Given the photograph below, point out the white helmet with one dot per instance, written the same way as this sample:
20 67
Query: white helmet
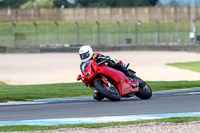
85 53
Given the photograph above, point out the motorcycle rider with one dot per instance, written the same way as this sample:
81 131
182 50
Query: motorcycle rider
86 54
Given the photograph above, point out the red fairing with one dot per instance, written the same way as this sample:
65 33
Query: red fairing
123 83
119 79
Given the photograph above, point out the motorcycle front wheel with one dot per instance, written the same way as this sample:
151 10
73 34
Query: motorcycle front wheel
110 93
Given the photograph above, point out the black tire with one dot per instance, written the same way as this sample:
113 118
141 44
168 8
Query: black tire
97 96
110 93
145 91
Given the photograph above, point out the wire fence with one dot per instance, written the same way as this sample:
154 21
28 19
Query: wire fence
97 33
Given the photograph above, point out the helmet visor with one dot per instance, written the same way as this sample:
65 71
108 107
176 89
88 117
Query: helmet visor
84 55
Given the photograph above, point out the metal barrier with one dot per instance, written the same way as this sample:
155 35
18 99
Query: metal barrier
97 33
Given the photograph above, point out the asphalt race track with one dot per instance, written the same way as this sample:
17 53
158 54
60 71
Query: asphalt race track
160 103
32 69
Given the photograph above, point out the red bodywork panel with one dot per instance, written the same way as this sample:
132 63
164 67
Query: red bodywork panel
121 82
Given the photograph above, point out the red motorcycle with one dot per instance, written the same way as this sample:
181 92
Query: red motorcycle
111 83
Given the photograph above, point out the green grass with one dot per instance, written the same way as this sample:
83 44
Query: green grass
170 85
27 92
98 125
47 33
193 66
2 84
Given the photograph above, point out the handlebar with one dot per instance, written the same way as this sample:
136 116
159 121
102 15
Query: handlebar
79 77
104 61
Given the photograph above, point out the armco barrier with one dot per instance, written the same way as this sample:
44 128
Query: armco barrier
2 49
22 49
75 48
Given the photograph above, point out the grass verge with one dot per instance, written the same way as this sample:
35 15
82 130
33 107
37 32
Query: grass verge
2 83
27 92
193 66
96 125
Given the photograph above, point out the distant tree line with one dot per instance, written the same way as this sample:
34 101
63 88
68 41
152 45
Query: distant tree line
24 4
114 3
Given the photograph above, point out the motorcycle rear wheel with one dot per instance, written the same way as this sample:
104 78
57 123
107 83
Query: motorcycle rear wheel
110 93
145 91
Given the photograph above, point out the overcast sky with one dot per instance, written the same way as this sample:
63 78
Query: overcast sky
181 2
71 1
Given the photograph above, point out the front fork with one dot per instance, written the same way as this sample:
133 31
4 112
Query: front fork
105 80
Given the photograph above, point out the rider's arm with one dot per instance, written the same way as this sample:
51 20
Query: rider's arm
81 66
101 57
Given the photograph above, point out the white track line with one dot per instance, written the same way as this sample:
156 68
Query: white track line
104 119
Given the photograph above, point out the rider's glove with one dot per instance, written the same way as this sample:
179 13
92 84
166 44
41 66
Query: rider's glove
116 61
107 58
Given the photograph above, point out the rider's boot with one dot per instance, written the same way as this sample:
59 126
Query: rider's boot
135 83
97 96
132 76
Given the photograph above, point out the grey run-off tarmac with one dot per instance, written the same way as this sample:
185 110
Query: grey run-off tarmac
19 69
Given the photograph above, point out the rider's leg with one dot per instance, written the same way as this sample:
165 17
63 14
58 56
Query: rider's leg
123 69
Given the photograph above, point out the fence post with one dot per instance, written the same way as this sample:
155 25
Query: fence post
36 33
98 32
194 30
15 33
77 32
57 26
136 31
177 30
119 29
140 30
158 32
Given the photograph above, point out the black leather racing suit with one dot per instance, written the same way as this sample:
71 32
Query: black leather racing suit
111 63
